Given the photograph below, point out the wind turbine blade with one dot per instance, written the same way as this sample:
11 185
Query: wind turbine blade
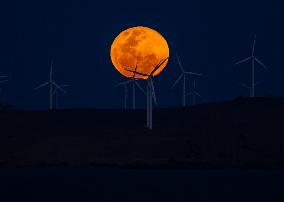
242 61
180 65
54 91
196 93
122 83
257 83
135 69
193 73
65 85
138 85
142 74
150 83
259 62
253 46
245 86
62 86
57 86
159 62
178 79
40 86
155 68
159 65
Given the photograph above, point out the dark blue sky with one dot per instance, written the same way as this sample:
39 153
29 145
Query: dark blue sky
209 36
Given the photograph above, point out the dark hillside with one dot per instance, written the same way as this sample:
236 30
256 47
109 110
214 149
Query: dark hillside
243 132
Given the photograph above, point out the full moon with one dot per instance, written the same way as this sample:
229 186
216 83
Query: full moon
139 46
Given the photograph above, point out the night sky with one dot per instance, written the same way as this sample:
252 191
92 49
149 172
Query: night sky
210 36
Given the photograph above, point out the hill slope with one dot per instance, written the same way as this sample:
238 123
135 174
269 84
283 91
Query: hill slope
242 132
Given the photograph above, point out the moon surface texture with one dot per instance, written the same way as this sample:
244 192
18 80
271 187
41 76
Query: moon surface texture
139 44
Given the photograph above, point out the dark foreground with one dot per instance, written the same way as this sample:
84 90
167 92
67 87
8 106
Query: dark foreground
125 185
230 151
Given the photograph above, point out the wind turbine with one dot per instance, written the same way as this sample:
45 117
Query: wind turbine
131 81
150 92
194 93
253 60
52 85
183 76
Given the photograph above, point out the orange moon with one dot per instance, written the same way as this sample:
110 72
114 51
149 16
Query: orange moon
139 44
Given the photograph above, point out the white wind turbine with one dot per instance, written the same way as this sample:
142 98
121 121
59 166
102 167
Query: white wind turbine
150 92
131 81
253 60
183 76
52 86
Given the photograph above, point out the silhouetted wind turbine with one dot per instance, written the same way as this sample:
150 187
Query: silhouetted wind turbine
51 85
194 93
133 81
183 76
253 59
150 92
